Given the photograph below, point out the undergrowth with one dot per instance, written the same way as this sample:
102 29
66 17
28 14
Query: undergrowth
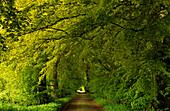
52 106
108 105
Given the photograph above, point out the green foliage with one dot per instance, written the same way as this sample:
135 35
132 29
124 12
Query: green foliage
53 106
118 48
115 107
108 105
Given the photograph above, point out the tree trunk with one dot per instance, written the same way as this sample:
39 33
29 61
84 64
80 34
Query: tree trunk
87 75
54 78
43 95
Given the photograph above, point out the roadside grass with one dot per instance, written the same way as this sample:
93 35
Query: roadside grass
108 105
57 105
116 107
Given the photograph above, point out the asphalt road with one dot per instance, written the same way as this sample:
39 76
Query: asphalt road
82 102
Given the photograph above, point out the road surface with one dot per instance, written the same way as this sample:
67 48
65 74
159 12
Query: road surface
82 102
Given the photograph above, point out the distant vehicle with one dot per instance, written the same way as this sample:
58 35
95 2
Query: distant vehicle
81 90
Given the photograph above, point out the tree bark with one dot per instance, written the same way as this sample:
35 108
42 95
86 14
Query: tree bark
43 95
54 78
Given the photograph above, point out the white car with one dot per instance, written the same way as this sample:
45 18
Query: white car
80 92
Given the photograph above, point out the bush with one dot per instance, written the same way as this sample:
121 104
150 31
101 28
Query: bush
108 105
53 106
116 107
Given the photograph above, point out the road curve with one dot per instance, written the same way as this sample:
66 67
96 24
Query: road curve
82 102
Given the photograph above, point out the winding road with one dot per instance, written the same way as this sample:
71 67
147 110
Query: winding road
82 102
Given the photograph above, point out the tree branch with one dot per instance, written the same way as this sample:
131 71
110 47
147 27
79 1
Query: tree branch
52 38
104 65
81 34
117 33
50 25
123 27
59 30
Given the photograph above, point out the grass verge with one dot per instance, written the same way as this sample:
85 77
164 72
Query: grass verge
53 106
108 105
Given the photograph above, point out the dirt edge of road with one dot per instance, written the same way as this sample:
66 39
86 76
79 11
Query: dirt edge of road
65 107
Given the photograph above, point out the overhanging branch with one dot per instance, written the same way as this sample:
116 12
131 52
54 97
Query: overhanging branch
59 30
104 65
123 27
50 25
52 38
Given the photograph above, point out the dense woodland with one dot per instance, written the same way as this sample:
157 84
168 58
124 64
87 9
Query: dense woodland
118 49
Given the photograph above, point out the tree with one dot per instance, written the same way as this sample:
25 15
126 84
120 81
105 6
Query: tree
117 47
